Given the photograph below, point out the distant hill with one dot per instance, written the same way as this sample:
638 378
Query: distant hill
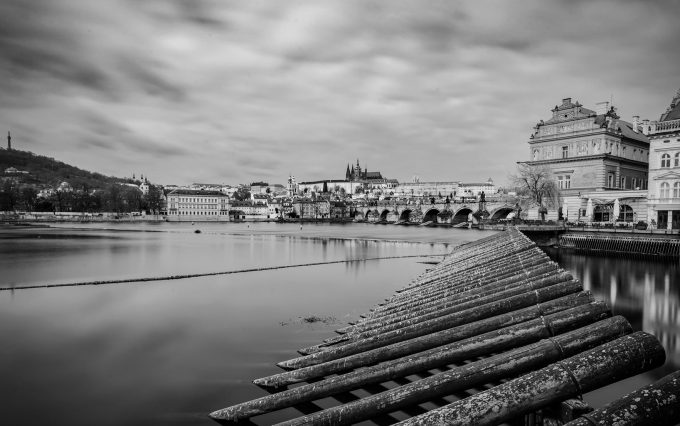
48 172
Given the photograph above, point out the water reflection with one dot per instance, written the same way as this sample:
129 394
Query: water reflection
168 352
644 291
660 315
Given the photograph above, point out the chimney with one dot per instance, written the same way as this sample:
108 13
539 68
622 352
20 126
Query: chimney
636 123
601 108
645 126
566 101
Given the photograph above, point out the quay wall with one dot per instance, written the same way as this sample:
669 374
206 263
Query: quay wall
623 242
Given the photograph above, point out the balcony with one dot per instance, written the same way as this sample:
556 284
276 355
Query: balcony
665 126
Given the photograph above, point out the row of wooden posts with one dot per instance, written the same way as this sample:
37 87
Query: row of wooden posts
659 246
493 332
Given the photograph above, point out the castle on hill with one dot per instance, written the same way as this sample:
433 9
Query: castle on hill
357 174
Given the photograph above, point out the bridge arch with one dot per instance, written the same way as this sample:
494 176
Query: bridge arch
501 213
461 215
405 215
431 216
383 215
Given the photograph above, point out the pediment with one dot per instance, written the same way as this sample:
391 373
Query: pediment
668 175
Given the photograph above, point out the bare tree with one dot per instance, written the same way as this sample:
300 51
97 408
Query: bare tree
537 183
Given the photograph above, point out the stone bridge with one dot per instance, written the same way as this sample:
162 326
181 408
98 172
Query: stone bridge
415 212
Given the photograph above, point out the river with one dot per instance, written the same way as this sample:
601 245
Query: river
170 351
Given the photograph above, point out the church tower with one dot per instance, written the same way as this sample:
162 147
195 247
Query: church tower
9 142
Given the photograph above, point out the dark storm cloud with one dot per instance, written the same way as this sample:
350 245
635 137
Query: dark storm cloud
33 49
206 90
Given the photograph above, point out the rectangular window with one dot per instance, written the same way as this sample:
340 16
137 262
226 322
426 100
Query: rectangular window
560 182
567 182
610 180
565 151
634 183
623 182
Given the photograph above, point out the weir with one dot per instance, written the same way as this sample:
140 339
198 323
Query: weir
495 332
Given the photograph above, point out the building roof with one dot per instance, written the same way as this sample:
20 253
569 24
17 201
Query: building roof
673 111
568 111
372 175
195 192
626 130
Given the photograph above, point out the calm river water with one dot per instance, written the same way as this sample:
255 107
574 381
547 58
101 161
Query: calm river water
168 352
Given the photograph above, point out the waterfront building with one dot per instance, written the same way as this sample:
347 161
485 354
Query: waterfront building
306 208
197 205
339 209
592 155
280 207
249 210
664 167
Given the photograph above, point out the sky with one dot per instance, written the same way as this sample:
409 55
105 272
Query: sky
229 92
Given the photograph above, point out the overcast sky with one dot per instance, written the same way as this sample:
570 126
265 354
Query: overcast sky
234 91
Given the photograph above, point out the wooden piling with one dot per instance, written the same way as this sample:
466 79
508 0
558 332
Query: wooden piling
490 311
495 341
606 364
423 343
494 368
414 328
657 404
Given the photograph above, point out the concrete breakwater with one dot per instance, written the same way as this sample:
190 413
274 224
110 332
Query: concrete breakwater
492 333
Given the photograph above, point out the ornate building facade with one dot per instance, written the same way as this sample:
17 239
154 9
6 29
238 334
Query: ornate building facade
664 167
593 155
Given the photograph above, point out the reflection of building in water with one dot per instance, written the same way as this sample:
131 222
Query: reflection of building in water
661 316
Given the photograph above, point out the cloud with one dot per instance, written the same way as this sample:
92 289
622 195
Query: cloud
234 92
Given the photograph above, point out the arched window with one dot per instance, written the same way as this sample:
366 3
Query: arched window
676 190
625 213
665 190
666 160
677 160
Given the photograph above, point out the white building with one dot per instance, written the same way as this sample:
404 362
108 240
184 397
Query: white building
426 189
197 205
664 167
144 187
476 188
333 185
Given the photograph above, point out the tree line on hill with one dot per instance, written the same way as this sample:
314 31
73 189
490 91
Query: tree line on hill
85 192
15 196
